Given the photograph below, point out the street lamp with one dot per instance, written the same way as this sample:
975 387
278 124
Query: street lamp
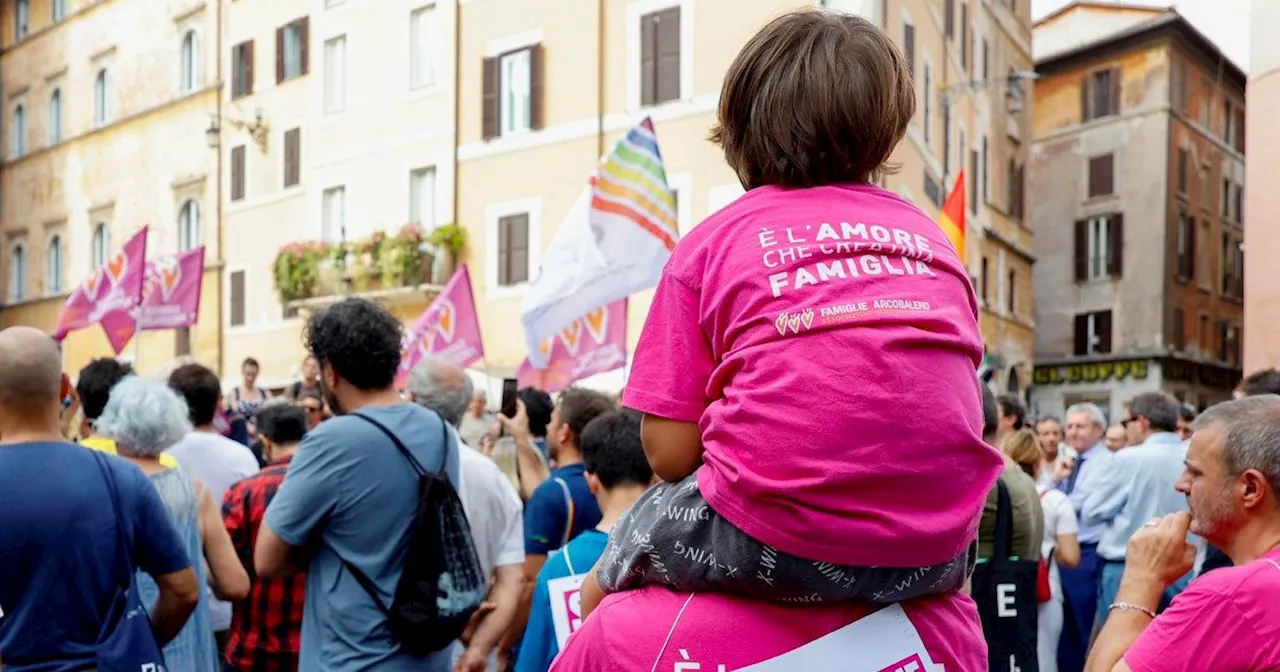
256 130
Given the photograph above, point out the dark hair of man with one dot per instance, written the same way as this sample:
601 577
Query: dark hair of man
990 414
538 406
579 406
1187 412
283 424
360 340
814 98
201 389
1010 405
1161 409
1266 381
612 450
95 382
249 361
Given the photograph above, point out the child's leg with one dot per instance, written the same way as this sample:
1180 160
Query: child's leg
672 537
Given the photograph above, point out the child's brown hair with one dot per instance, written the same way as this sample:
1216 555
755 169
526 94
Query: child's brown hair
814 98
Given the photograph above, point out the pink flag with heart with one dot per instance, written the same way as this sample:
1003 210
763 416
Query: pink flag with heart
123 277
448 328
171 296
594 343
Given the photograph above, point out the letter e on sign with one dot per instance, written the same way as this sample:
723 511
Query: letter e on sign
1005 598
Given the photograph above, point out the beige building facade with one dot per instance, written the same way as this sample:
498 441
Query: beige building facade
545 91
342 122
1261 276
339 131
104 132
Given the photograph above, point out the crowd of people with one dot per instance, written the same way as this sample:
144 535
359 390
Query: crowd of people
718 515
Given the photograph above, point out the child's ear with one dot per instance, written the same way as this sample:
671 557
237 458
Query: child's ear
593 483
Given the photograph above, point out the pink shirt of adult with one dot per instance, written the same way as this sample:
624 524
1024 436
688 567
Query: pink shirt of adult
1227 621
826 340
655 628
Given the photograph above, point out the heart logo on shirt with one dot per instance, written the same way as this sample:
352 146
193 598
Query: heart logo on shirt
793 323
781 324
806 318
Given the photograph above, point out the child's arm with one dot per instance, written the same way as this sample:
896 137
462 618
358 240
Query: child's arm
674 448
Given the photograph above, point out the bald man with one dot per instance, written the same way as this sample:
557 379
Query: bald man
61 570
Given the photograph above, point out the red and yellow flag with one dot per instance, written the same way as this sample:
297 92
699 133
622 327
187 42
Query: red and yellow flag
951 219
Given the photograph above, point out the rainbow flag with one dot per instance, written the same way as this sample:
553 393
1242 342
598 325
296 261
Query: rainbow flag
951 219
632 185
614 242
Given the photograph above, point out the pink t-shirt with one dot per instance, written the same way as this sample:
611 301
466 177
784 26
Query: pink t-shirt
655 628
1227 621
826 340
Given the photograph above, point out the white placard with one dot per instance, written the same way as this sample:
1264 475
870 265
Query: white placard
885 641
566 605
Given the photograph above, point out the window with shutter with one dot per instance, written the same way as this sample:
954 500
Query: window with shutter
1082 252
292 157
949 17
291 50
237 173
986 59
1178 84
1012 296
515 91
1182 265
1222 340
1228 266
1101 332
1102 175
1179 336
1184 159
182 342
1081 338
513 249
909 46
242 69
236 298
973 181
1115 250
964 36
489 107
983 283
660 57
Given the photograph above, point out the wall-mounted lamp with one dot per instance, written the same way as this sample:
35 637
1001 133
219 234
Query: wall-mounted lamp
256 130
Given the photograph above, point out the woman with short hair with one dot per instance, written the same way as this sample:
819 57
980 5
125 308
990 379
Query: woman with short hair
145 418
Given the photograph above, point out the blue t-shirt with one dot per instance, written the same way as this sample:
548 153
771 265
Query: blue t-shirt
351 495
539 646
59 569
547 520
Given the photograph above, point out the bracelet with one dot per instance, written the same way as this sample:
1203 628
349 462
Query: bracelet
1125 606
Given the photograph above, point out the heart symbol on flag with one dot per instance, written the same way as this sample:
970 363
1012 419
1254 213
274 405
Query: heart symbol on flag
806 318
793 323
597 323
427 341
781 324
91 286
170 276
117 266
442 322
571 336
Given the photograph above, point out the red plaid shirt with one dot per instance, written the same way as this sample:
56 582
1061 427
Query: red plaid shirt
266 626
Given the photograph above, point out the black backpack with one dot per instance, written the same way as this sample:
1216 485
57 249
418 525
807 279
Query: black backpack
442 584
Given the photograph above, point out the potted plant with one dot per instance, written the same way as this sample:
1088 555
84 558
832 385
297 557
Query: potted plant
296 270
401 259
448 241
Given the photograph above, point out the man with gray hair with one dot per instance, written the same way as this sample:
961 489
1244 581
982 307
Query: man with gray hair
493 509
1229 619
1085 428
1137 487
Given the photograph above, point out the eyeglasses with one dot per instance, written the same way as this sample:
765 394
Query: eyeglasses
1126 421
314 409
